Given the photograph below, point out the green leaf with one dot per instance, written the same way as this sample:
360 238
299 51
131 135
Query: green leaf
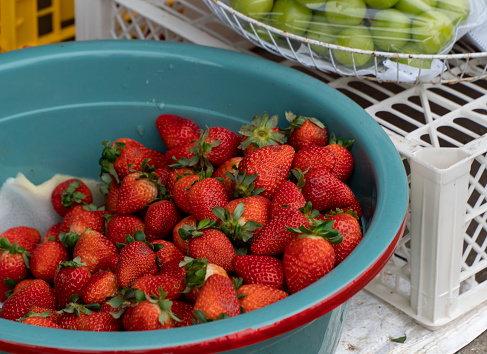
399 339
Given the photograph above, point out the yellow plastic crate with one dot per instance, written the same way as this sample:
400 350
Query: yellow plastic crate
35 22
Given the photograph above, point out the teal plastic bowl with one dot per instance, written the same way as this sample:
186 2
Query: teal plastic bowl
59 102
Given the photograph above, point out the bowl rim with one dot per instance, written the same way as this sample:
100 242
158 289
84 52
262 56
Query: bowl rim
294 311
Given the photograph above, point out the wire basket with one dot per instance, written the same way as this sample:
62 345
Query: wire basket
463 63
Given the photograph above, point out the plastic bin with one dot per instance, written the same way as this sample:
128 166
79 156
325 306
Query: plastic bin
121 87
439 272
35 22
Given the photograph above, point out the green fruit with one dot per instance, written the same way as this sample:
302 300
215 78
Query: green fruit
357 37
256 9
381 4
313 4
432 31
415 7
391 30
457 10
412 48
319 29
290 16
345 12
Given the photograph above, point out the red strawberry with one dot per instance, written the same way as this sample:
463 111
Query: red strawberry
99 286
325 191
204 195
175 130
150 284
313 156
80 218
71 320
184 311
255 296
70 279
181 189
119 226
52 233
273 236
271 164
136 259
138 189
310 255
22 283
226 149
151 314
215 146
305 131
38 292
288 193
180 154
175 175
209 243
347 224
26 237
160 219
217 297
262 132
183 245
46 258
14 262
242 218
255 269
168 253
163 174
197 271
221 172
92 247
107 263
69 193
112 196
39 320
50 313
125 154
355 207
99 322
344 159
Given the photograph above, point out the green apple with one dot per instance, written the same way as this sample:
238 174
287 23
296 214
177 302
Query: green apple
415 7
412 48
256 9
357 37
345 12
381 4
321 30
457 10
432 31
390 29
290 16
313 4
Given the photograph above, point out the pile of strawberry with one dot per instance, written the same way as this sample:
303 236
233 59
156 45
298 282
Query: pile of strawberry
221 224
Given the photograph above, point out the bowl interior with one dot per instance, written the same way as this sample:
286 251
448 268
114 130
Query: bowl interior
61 101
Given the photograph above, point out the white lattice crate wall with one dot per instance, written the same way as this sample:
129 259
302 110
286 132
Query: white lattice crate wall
439 271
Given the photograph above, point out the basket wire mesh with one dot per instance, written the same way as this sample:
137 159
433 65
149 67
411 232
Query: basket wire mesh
463 63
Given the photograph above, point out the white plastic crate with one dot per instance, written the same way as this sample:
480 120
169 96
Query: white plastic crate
439 271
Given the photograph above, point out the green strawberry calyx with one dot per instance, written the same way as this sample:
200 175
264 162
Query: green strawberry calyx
231 224
341 141
15 249
321 229
261 132
187 231
244 186
296 122
71 194
108 156
195 272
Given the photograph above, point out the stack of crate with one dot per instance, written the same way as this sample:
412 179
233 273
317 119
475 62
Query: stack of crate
35 22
